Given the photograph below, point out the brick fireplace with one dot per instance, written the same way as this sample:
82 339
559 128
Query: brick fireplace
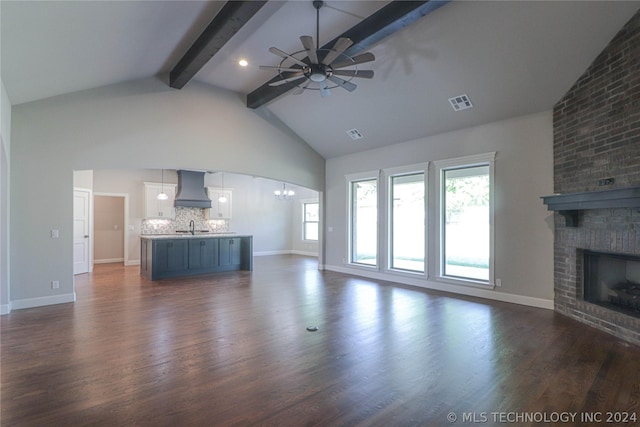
597 148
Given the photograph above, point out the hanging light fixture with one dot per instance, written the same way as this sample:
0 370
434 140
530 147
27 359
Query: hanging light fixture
222 198
162 195
284 194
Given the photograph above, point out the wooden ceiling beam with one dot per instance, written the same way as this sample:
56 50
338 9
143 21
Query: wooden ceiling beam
231 18
383 23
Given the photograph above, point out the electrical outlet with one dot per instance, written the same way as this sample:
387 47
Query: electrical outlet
55 284
498 282
55 233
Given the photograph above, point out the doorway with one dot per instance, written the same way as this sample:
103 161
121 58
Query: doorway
109 228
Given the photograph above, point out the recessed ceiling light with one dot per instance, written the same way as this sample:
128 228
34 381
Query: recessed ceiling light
243 63
460 102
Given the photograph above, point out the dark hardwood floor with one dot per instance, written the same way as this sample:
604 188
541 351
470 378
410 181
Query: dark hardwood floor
232 349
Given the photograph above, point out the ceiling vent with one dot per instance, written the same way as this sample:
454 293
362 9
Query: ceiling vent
354 134
460 102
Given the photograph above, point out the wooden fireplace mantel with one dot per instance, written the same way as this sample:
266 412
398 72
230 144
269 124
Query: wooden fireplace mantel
569 205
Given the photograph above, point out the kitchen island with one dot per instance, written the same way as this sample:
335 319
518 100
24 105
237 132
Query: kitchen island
164 256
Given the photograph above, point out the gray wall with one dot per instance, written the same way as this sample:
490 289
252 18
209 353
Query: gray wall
5 156
523 227
141 124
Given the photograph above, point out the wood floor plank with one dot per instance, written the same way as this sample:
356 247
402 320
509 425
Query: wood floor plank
232 349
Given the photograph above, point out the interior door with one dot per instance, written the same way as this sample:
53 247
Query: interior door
81 200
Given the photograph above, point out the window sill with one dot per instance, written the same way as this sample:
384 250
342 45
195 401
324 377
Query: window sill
465 282
406 273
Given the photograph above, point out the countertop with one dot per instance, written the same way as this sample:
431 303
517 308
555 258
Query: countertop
189 236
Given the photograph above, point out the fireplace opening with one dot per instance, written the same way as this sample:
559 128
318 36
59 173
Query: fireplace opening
612 281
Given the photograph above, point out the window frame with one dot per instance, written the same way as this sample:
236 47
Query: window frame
389 174
485 159
350 180
305 222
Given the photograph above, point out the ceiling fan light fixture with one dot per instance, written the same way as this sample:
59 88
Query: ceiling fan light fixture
318 68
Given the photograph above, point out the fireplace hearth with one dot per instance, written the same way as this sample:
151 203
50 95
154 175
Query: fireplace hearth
612 281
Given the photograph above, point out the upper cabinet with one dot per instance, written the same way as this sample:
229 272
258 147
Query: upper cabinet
155 208
219 210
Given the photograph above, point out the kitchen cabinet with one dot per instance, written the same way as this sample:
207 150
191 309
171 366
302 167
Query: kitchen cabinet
164 256
203 253
171 256
218 209
159 209
229 251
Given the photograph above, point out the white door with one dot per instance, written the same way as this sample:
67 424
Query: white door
81 231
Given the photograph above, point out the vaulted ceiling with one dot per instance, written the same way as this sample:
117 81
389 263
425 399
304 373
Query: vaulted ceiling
510 57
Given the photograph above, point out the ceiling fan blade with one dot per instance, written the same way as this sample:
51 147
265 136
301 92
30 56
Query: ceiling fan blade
300 89
288 79
324 89
358 59
341 45
307 43
269 67
366 74
285 55
345 84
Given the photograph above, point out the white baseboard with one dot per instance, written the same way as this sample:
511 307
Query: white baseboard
107 260
132 262
40 301
266 253
286 252
5 309
303 253
448 287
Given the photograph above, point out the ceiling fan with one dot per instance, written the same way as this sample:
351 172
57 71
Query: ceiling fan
320 69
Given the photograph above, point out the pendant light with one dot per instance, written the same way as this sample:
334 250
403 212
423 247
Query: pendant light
163 195
222 198
284 194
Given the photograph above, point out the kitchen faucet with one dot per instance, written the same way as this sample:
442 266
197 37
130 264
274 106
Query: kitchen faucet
192 227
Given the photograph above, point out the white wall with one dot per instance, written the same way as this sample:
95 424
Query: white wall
133 125
523 226
5 164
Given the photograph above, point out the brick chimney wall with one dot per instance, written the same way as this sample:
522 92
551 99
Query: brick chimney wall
596 128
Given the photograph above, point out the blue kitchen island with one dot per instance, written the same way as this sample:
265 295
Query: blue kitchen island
165 256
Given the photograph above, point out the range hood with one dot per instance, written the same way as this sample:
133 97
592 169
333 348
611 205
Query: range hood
191 192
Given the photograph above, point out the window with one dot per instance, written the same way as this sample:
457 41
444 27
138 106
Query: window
466 212
406 225
363 233
310 217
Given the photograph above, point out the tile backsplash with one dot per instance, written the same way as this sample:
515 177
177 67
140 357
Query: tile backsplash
181 223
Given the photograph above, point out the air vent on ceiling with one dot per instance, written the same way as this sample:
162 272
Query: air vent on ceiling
354 134
460 102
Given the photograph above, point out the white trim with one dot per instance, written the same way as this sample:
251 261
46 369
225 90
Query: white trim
449 288
5 309
132 262
304 253
41 301
287 252
267 253
350 179
107 260
387 206
464 162
126 222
